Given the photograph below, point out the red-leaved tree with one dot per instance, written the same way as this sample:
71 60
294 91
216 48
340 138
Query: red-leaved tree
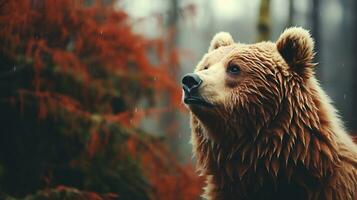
75 82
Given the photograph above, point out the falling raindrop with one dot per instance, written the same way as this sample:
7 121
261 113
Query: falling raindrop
136 109
155 78
14 68
344 96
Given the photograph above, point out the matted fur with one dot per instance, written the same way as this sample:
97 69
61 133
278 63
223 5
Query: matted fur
274 133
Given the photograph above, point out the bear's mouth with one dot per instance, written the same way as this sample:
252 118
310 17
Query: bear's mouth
196 100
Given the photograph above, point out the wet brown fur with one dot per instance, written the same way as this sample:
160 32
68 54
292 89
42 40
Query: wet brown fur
277 135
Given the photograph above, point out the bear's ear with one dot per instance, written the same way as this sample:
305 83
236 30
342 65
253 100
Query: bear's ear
297 48
220 39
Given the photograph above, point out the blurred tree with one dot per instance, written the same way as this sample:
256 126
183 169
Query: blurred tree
168 119
72 78
291 13
264 23
353 116
316 34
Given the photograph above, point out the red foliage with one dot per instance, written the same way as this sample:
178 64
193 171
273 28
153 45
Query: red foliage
78 43
168 177
85 62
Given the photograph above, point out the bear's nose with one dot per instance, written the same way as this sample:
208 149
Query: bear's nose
190 82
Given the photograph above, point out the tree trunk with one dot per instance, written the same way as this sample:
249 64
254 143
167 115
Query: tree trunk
354 72
316 34
264 23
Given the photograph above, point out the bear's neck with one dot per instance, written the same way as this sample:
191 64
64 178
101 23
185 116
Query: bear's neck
296 145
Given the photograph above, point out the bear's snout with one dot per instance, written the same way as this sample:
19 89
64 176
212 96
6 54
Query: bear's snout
191 82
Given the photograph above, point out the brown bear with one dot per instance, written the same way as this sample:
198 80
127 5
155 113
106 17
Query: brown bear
262 127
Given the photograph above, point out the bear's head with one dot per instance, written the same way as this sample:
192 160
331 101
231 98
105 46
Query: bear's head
241 88
259 101
260 119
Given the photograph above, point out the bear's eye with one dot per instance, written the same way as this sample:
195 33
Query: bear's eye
206 67
233 69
